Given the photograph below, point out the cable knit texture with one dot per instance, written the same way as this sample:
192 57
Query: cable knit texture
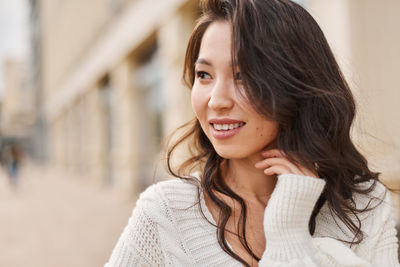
167 229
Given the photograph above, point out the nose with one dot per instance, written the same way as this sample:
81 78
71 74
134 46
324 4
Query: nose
221 96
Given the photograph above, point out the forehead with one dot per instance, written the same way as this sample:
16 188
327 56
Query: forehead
215 45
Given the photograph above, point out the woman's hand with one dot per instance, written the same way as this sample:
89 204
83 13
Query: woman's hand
275 162
289 209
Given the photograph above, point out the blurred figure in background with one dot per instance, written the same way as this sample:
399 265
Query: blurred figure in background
11 159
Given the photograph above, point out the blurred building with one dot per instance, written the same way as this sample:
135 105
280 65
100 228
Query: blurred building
17 110
39 140
110 80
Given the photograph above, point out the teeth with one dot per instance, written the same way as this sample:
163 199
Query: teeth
224 127
218 126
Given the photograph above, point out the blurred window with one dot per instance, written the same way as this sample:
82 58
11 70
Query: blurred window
147 80
107 106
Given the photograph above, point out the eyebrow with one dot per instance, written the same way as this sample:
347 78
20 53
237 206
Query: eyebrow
202 61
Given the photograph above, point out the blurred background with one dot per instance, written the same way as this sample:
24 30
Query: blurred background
89 89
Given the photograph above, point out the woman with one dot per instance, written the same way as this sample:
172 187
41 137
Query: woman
280 182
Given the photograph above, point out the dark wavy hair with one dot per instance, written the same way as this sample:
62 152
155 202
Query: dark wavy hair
290 75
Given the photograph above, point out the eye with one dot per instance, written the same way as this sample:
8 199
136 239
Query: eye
202 75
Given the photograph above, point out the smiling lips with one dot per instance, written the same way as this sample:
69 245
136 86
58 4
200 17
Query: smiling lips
225 128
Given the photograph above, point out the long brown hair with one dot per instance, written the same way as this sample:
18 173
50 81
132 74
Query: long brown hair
290 74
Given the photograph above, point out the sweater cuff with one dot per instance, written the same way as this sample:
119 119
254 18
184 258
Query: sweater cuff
287 216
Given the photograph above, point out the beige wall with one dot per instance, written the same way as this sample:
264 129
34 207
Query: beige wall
69 28
376 42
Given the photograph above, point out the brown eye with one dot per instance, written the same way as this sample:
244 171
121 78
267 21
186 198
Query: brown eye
202 75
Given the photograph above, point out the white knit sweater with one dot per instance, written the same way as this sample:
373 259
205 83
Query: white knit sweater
167 229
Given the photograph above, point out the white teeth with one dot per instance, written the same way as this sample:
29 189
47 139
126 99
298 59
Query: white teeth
224 127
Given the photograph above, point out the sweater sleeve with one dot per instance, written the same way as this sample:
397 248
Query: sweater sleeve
288 241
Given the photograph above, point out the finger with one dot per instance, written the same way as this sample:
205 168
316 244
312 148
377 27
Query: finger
276 153
273 153
277 169
278 161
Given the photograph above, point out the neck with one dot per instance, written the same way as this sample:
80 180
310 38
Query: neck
247 181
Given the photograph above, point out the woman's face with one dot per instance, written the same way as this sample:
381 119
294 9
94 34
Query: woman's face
234 128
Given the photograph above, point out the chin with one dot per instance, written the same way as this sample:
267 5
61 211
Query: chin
232 153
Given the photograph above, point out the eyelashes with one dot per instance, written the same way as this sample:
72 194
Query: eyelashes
204 75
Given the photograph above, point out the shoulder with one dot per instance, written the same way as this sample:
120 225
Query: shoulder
378 207
153 235
173 193
378 198
376 195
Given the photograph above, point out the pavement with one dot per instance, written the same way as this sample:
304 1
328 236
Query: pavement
58 220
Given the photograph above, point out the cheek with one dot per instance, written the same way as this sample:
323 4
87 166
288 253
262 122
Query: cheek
268 130
198 103
195 104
